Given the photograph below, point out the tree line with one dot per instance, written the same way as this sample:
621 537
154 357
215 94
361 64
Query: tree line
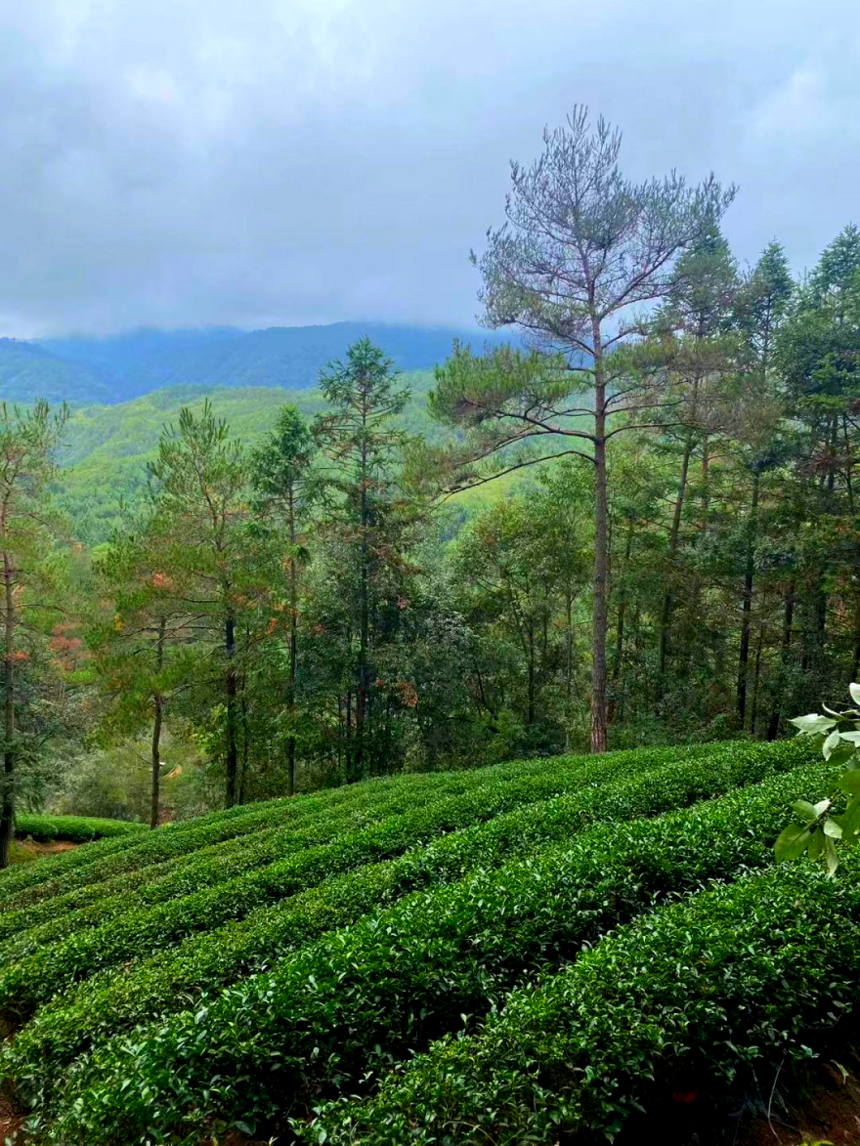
667 550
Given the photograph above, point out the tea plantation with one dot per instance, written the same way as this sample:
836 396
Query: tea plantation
529 953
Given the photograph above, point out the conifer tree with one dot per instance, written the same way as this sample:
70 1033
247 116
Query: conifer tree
361 448
283 483
28 440
203 495
581 249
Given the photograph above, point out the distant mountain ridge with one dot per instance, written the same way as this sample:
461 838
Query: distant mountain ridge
29 371
84 370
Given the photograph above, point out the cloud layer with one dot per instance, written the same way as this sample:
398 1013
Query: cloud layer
182 162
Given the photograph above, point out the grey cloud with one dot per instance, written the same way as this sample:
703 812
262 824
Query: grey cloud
176 162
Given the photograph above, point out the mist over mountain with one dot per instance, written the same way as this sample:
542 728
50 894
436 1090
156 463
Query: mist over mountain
85 370
28 372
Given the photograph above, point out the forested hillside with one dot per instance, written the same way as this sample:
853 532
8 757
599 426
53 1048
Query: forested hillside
639 529
28 372
415 740
83 370
105 449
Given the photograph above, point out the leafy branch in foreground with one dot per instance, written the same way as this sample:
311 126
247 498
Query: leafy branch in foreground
838 734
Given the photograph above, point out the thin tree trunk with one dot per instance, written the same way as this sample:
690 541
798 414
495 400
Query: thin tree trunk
706 478
530 716
246 743
364 627
599 690
821 604
622 609
230 689
158 701
568 668
7 803
849 467
291 691
746 616
618 658
545 631
788 621
350 765
756 679
674 534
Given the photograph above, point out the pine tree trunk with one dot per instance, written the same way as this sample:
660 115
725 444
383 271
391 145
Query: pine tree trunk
756 680
788 621
706 487
618 659
291 691
363 630
246 742
599 690
746 617
568 668
7 802
158 701
674 535
230 689
530 716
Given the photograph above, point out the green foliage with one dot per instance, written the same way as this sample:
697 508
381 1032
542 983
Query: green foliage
821 827
82 369
280 589
505 811
106 448
31 586
367 995
74 829
721 984
28 373
280 463
37 964
203 964
31 928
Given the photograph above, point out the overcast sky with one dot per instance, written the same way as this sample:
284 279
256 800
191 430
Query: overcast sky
260 162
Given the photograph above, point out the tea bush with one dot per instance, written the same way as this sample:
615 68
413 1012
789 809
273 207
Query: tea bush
724 982
73 829
330 1017
175 979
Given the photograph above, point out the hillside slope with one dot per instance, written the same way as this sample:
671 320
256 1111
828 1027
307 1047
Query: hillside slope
28 372
84 370
301 951
106 447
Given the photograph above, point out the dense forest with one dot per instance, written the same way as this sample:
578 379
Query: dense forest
674 557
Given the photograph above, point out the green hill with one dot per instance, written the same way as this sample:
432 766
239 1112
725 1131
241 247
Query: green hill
106 448
82 370
287 960
28 372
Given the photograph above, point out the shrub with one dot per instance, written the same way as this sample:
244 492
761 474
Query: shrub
111 1002
725 982
74 829
27 929
41 974
100 862
365 996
